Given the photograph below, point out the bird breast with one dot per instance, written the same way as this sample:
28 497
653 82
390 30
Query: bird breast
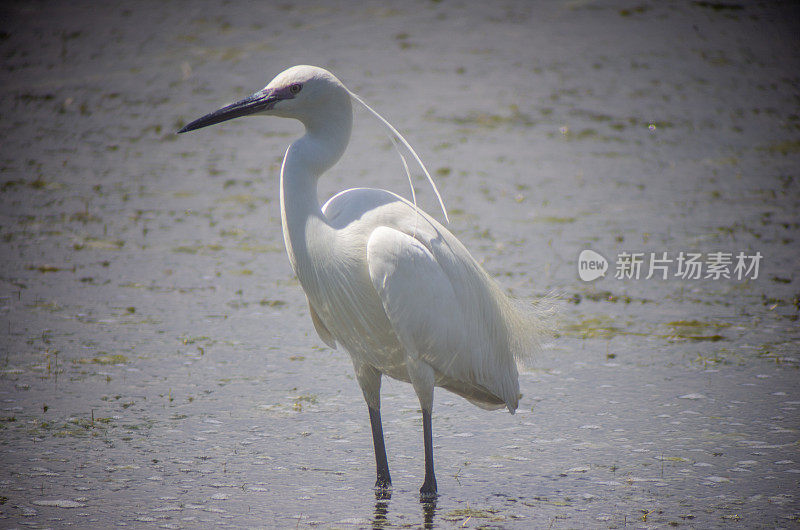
335 276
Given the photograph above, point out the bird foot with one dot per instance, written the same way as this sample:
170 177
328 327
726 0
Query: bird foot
383 483
427 493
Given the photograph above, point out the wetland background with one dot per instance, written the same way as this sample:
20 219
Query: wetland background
158 367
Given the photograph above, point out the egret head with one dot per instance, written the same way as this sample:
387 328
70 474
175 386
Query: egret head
321 102
301 92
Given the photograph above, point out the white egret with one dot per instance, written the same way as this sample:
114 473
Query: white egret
385 280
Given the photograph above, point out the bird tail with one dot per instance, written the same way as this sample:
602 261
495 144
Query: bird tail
531 324
517 330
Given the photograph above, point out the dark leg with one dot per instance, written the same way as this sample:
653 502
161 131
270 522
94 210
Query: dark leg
384 480
428 490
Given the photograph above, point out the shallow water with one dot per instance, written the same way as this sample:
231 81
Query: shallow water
157 364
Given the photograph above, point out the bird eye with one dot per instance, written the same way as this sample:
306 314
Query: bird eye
295 88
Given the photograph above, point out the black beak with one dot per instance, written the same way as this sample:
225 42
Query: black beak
262 100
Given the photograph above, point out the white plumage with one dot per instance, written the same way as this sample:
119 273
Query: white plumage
385 280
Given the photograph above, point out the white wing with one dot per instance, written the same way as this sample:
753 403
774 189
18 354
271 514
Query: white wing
421 299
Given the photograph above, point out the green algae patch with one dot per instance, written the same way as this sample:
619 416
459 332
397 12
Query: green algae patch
608 296
103 359
69 428
785 148
597 327
553 219
198 249
465 514
95 243
489 121
696 330
259 249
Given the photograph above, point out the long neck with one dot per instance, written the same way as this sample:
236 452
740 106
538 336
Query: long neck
326 138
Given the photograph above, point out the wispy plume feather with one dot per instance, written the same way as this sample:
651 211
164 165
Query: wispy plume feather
394 136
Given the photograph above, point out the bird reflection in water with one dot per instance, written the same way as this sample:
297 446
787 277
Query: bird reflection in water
428 510
380 518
